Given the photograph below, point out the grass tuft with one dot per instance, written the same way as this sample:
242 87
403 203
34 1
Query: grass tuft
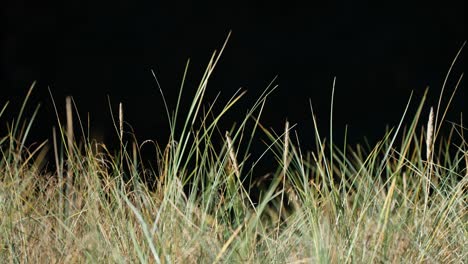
402 200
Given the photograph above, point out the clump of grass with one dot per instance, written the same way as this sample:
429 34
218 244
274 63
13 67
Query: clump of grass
332 205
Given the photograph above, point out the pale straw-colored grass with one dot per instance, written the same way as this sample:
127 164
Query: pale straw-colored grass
351 204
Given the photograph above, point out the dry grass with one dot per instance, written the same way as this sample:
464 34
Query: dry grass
346 204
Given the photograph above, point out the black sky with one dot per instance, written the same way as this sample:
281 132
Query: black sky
91 49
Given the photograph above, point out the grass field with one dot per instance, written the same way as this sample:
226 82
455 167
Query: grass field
400 201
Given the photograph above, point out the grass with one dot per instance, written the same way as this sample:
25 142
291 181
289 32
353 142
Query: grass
403 200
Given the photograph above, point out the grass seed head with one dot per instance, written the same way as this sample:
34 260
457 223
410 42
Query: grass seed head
430 135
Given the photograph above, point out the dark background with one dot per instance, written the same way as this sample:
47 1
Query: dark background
91 49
